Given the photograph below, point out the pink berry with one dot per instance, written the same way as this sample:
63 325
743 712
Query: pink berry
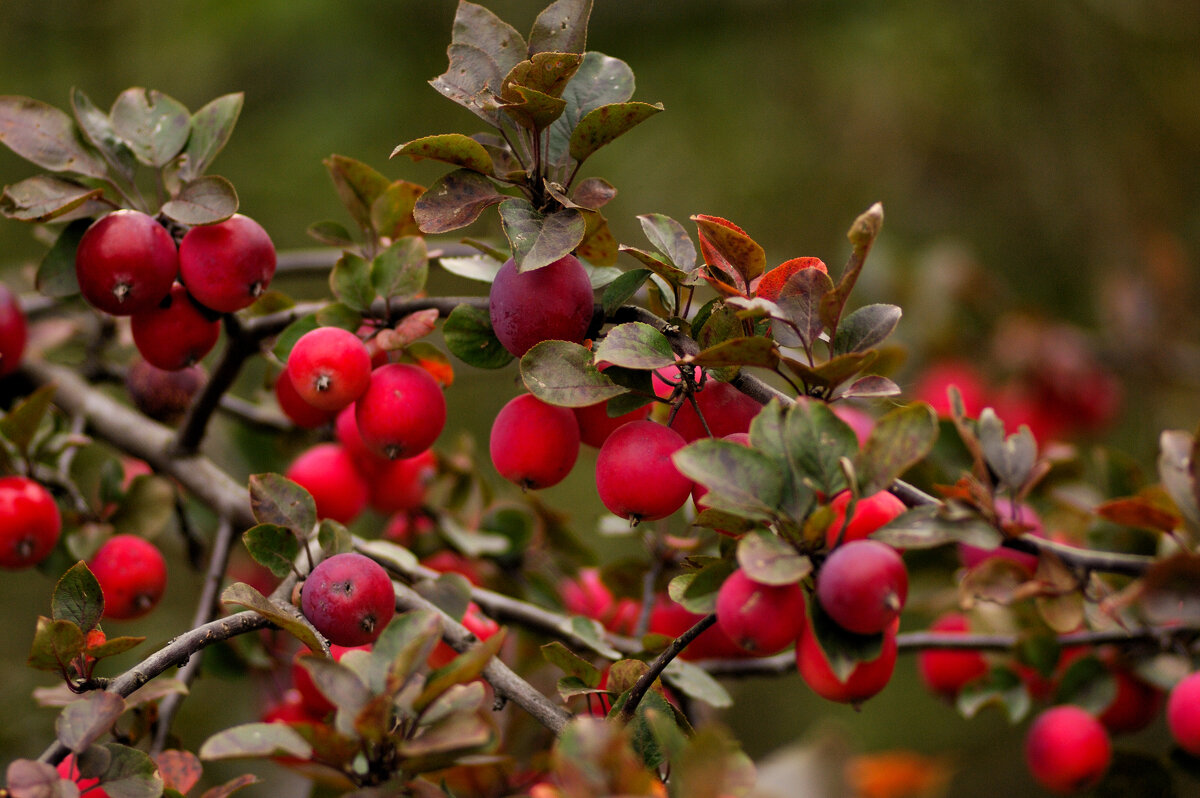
762 619
126 263
402 412
327 472
29 523
532 443
1067 749
349 599
1183 713
227 265
329 367
946 672
12 331
132 575
553 302
863 585
635 475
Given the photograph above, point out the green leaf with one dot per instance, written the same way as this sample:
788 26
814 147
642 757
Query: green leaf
153 125
56 276
635 345
1012 458
752 351
469 336
562 373
341 686
282 614
46 137
131 773
561 27
468 80
98 130
21 423
865 327
872 386
476 26
338 314
272 546
695 682
769 560
900 439
113 646
474 267
392 211
547 73
454 201
739 479
402 649
463 668
671 239
538 240
255 740
697 590
43 198
78 598
533 110
670 274
930 526
358 186
350 281
55 643
211 128
275 499
291 334
389 554
816 440
451 148
331 233
621 289
460 699
1002 688
472 542
400 270
571 663
600 80
608 122
85 721
147 507
590 633
333 537
205 200
843 649
799 306
833 372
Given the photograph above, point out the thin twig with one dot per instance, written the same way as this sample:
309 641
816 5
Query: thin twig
660 663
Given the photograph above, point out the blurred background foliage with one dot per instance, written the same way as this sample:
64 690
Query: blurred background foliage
1037 161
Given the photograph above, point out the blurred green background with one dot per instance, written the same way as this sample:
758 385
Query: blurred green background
1037 159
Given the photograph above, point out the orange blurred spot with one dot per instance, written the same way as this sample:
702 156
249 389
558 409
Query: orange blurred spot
898 774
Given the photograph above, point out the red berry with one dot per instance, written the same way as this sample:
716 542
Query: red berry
328 473
726 411
863 585
163 395
69 770
595 424
300 412
865 681
534 444
553 302
12 331
291 708
29 523
946 672
933 384
1067 749
1183 713
349 599
227 265
870 513
1135 705
329 368
587 595
477 624
126 263
635 475
402 412
175 334
132 575
312 700
400 485
762 619
1022 517
673 619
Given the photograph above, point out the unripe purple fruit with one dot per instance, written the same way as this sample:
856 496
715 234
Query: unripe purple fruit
863 585
635 476
550 303
349 599
534 444
762 619
227 265
126 263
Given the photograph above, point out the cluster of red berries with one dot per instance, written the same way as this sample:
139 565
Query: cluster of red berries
127 264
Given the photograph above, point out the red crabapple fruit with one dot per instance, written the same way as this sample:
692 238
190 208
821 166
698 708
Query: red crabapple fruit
1134 706
125 263
327 472
863 585
298 411
69 770
870 513
402 412
865 681
163 395
132 575
349 599
227 265
29 523
726 411
945 673
762 619
398 486
1183 713
176 333
635 475
1067 749
553 302
13 331
329 368
595 424
532 443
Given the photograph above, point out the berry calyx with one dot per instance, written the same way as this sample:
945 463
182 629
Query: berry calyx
349 599
1067 749
29 523
132 575
329 367
228 265
532 443
298 411
553 302
402 412
125 263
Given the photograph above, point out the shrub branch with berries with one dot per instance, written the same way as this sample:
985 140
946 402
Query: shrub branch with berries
769 478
